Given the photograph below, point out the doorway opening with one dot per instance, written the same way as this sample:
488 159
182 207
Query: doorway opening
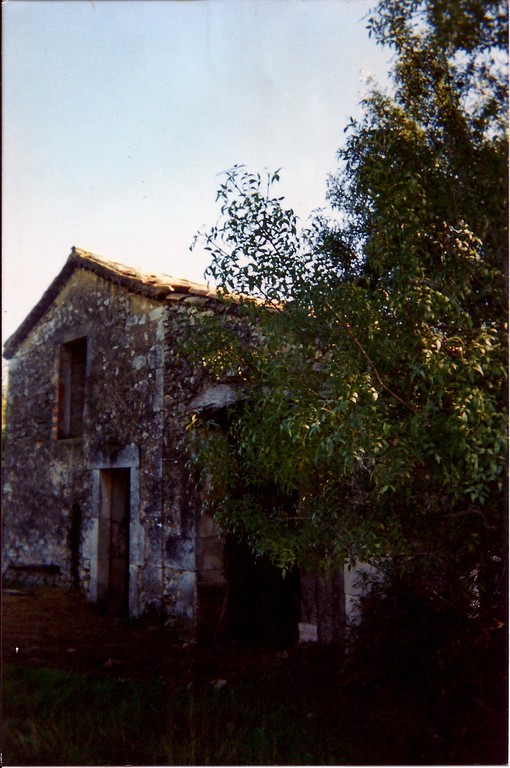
263 605
113 541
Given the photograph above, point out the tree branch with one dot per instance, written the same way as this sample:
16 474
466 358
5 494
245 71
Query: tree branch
369 360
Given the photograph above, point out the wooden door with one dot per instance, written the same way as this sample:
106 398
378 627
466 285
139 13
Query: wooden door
113 545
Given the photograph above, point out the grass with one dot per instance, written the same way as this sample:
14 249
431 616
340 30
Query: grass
418 700
53 717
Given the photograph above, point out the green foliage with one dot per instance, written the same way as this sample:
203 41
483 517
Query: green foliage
55 717
52 717
435 674
375 418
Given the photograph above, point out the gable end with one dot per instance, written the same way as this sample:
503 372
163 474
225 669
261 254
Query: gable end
155 286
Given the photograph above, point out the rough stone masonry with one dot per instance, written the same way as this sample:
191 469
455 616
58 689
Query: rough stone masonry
96 483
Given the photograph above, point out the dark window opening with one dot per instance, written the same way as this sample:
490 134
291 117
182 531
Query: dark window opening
71 388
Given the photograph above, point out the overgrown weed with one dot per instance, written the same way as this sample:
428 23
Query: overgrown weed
437 678
415 689
53 717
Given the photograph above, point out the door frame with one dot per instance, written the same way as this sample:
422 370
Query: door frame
125 458
113 547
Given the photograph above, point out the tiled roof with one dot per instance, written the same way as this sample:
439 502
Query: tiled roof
157 286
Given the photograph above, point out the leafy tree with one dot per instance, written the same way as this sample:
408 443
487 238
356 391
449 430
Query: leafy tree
374 376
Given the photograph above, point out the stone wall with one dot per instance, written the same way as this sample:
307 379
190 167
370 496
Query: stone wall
133 418
139 392
194 582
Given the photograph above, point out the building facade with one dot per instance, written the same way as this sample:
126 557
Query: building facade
97 486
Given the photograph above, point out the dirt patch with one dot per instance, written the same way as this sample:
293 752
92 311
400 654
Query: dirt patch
54 627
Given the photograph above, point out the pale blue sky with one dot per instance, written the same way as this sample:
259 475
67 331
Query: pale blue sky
119 116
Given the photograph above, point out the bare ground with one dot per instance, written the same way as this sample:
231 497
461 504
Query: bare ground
54 627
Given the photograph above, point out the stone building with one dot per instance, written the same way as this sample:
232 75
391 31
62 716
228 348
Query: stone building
97 492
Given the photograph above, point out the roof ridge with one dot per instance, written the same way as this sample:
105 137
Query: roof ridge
88 259
158 286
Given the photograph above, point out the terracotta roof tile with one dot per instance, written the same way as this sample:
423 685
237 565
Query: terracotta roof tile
158 286
114 270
